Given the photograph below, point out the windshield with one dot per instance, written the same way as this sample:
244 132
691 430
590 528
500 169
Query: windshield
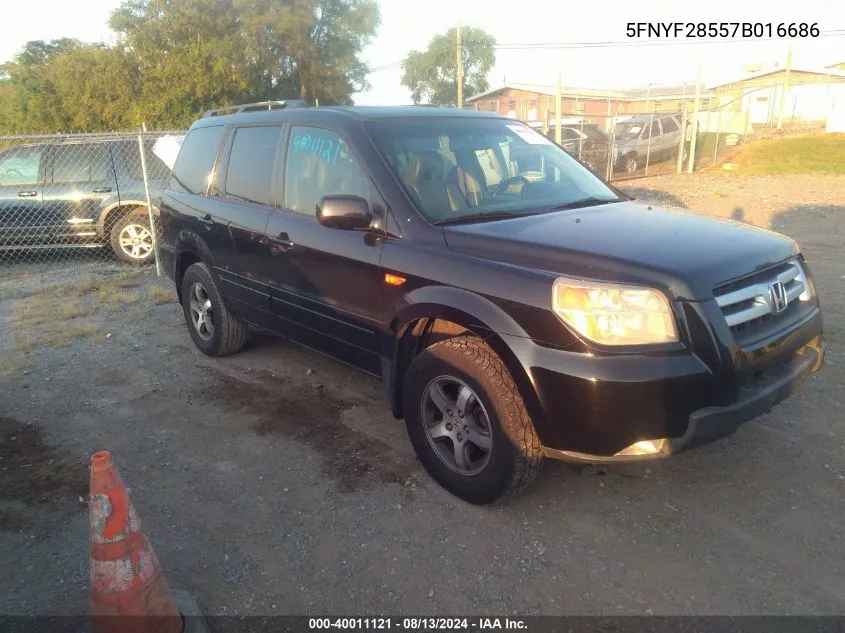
465 167
629 130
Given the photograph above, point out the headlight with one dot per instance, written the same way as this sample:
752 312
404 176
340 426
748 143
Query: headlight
614 315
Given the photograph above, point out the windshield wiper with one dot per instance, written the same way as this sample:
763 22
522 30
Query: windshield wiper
584 202
482 217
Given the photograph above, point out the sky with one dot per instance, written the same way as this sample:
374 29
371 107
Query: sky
410 24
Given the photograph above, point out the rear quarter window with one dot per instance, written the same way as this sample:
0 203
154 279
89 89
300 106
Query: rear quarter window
156 169
192 171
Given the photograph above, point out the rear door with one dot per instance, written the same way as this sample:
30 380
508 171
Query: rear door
80 178
651 141
191 221
242 197
671 136
22 219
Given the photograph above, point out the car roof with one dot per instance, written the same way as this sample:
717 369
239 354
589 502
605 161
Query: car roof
341 114
641 118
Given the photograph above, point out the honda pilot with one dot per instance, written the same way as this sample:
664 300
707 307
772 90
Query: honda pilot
514 305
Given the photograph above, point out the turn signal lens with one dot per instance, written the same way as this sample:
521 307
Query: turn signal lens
394 280
615 315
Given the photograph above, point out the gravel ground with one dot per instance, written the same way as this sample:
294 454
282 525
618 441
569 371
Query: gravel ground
276 482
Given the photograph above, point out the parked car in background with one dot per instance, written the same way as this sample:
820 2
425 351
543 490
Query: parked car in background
651 137
514 305
588 143
79 194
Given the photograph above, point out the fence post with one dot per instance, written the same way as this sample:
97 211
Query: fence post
683 141
149 200
718 132
695 117
611 149
648 145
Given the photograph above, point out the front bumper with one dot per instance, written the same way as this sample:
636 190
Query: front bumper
602 408
710 423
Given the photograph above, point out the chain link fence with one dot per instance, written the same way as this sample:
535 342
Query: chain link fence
640 144
81 197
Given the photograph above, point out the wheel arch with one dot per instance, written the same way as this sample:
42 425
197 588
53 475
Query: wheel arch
190 249
433 314
116 211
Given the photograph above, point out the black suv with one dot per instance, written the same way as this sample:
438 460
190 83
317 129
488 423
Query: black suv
511 315
79 193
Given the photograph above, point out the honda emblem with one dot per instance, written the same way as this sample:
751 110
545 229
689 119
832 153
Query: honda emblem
777 294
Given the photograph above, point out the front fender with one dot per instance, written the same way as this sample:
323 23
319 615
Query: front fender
474 312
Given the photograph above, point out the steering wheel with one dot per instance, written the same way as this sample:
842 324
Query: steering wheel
503 186
13 172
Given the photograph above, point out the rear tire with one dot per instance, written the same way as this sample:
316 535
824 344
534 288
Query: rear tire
467 421
214 330
132 239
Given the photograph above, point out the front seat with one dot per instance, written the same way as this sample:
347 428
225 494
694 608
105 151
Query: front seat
425 177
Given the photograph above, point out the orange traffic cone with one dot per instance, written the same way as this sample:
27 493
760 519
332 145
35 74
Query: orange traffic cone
128 590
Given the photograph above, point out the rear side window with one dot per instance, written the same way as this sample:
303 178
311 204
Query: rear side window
156 169
654 130
80 163
669 125
250 174
192 171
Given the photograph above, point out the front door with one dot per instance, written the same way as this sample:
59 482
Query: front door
325 283
81 178
22 221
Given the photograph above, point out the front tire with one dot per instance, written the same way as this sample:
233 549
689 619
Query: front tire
132 239
630 164
467 421
214 330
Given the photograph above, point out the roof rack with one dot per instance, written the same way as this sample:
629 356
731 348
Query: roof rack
254 107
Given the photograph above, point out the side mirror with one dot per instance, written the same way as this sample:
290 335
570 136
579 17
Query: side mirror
344 212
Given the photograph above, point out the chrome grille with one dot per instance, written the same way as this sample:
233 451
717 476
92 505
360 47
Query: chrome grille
759 297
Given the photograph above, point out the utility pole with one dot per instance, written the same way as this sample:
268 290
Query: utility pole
784 90
558 96
694 126
460 65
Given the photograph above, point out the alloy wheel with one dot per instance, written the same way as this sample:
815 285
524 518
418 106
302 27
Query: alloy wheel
202 315
457 425
136 241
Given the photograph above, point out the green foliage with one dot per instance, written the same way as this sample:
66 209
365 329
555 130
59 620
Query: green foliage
176 58
431 75
811 154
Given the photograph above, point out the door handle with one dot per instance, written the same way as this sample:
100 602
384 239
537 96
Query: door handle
27 194
207 220
102 189
283 240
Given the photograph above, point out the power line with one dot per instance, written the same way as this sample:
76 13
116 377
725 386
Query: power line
604 44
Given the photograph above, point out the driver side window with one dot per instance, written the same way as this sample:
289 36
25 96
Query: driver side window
20 167
320 163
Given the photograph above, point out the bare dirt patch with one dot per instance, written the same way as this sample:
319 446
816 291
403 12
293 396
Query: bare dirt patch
310 416
34 474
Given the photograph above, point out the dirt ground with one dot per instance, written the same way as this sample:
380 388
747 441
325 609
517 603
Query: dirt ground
276 482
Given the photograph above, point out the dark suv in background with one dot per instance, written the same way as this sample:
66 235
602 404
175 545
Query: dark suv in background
78 194
514 305
587 142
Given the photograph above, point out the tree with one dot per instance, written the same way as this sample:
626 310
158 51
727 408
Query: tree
176 58
197 54
431 75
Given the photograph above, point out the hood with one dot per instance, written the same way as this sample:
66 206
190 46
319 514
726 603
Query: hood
684 253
